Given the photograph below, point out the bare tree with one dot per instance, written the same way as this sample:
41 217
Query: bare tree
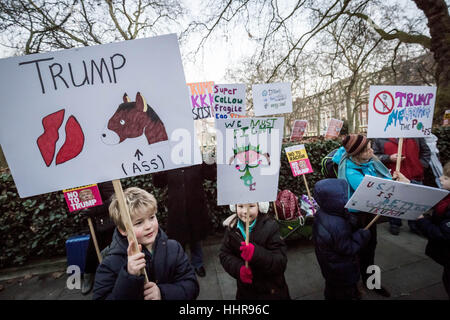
30 26
273 26
356 52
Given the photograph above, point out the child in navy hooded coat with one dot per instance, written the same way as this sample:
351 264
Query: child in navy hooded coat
336 244
436 228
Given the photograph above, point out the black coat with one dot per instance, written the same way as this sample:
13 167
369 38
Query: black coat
188 218
437 229
169 268
336 245
268 263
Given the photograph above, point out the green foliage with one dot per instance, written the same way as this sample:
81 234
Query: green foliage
33 227
38 227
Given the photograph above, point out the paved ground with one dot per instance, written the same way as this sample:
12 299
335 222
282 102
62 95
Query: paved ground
406 271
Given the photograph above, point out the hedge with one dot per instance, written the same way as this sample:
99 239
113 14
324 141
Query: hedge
38 227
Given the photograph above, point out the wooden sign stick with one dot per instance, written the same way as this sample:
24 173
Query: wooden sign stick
126 218
372 222
276 211
399 154
94 239
307 190
247 233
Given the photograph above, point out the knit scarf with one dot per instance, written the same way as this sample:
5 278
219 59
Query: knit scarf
241 227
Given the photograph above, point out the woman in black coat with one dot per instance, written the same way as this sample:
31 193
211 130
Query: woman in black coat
168 267
188 219
267 264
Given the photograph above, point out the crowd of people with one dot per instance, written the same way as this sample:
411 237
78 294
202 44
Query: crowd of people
252 250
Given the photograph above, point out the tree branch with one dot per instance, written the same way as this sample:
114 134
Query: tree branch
399 35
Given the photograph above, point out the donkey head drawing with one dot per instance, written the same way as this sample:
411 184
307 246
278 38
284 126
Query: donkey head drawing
133 119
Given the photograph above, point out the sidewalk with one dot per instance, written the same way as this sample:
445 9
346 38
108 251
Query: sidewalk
405 270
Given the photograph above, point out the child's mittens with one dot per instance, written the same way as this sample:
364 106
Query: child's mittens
247 251
246 274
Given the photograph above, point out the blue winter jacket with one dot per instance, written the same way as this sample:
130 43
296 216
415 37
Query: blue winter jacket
168 267
354 173
336 245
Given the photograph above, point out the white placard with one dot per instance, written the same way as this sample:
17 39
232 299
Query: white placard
58 106
272 98
248 159
229 101
400 111
394 199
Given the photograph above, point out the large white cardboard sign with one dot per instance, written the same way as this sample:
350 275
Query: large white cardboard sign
394 199
272 98
94 114
400 111
248 159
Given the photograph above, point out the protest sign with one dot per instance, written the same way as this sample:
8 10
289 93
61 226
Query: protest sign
446 118
394 199
272 98
298 160
298 130
229 101
334 127
400 111
93 114
248 159
202 99
82 197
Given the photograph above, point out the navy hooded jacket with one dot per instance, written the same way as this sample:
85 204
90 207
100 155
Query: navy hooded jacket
437 230
169 268
336 245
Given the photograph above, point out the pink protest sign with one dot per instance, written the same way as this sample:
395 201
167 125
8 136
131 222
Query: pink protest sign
298 160
334 127
446 118
298 129
82 197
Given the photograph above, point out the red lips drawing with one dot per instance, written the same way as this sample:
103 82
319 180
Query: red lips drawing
47 141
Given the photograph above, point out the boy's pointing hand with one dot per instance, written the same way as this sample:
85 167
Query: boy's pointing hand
136 262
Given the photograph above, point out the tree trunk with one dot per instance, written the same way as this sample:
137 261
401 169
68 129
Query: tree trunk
348 102
439 23
318 115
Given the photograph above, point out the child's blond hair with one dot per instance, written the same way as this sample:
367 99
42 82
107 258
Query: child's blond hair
447 169
136 199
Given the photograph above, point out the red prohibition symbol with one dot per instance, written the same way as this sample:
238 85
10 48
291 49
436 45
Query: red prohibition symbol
387 101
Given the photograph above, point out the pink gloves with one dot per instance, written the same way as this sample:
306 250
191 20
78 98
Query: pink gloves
246 274
247 251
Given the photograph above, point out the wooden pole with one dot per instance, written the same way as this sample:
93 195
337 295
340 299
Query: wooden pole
372 222
276 211
247 233
309 194
399 154
126 218
94 239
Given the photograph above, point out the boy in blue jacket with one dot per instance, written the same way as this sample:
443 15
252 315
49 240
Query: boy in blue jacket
437 229
336 245
170 275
